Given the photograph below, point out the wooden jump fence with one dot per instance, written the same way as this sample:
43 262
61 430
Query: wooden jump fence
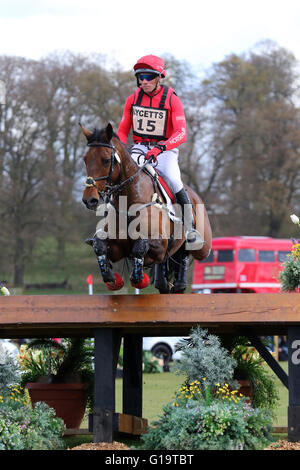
109 318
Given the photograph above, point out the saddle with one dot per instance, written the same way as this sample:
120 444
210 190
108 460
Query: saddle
162 182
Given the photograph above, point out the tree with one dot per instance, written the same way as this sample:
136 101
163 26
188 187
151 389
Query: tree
21 168
73 89
255 131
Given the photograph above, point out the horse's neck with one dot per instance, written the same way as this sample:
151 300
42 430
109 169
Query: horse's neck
129 167
139 190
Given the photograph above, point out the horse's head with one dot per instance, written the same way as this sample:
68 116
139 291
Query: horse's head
102 164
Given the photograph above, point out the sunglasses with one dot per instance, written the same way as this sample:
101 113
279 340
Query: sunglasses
147 76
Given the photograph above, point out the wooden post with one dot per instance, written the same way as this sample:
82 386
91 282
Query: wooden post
294 383
276 352
107 346
132 375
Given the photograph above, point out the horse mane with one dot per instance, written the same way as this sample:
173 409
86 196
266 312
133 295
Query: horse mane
99 135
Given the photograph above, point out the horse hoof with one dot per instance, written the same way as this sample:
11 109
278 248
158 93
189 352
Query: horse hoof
180 289
143 283
117 285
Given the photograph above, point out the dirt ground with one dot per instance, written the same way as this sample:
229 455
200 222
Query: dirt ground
102 446
278 445
284 444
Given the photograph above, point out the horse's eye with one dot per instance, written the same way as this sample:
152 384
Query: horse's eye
106 162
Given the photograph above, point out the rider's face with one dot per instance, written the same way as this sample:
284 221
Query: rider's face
150 86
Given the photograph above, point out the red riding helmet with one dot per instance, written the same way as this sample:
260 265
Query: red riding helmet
150 63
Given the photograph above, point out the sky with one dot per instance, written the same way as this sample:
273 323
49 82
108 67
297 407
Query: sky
201 32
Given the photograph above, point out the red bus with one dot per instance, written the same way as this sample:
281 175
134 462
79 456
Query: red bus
241 264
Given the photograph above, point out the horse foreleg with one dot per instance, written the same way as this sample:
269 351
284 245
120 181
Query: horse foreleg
113 281
138 278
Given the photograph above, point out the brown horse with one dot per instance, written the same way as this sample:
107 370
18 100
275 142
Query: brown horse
119 187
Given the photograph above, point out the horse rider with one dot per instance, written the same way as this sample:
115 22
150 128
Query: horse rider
156 116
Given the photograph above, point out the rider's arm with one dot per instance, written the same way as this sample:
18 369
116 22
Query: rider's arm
126 121
178 136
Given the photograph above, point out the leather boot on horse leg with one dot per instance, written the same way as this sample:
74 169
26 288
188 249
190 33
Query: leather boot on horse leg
113 281
138 278
160 278
192 236
181 258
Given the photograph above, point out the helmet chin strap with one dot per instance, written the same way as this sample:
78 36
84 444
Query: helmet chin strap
157 83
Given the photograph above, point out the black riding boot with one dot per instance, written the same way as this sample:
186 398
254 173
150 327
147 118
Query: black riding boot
194 240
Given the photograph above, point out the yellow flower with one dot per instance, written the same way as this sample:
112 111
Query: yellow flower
296 251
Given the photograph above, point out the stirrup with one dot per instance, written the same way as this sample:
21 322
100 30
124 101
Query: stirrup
194 240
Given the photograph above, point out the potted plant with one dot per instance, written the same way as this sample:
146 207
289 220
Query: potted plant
61 374
254 379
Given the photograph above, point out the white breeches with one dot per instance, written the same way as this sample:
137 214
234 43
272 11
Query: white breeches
166 164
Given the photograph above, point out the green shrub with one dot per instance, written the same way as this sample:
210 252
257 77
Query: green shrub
22 427
219 426
289 277
203 356
150 365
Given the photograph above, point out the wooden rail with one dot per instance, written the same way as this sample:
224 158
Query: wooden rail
109 318
73 315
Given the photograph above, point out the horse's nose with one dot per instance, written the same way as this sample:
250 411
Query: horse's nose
91 202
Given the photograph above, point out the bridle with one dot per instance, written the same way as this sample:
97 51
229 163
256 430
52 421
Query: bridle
112 188
90 181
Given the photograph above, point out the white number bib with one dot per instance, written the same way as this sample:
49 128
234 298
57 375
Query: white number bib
149 123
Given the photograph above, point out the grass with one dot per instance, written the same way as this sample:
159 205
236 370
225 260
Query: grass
158 389
281 410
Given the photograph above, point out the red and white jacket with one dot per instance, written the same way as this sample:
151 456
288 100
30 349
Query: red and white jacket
157 117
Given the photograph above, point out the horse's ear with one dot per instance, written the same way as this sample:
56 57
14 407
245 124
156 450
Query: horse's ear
86 132
109 131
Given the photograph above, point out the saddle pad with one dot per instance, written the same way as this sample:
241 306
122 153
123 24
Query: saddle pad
166 188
